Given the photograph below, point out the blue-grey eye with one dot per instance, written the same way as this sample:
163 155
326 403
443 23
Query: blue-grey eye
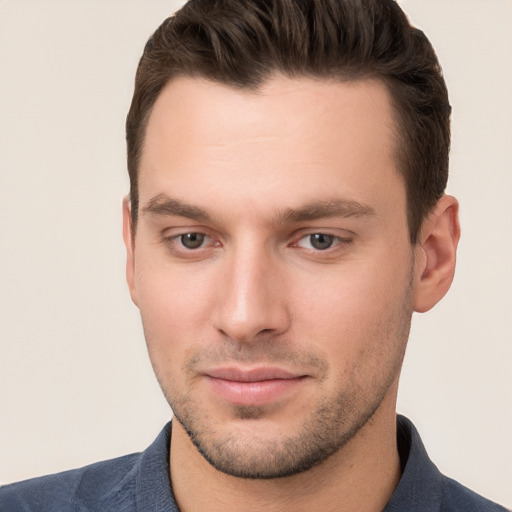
192 240
321 241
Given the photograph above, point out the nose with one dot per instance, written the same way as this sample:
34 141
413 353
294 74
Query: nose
251 299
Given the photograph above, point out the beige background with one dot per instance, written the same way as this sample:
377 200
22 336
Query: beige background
75 382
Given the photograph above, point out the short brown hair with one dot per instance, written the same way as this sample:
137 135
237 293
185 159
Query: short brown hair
242 43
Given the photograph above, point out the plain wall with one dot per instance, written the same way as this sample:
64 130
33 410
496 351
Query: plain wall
76 385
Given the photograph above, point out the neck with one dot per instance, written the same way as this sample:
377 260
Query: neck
360 477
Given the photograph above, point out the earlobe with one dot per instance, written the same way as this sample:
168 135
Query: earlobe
436 254
129 244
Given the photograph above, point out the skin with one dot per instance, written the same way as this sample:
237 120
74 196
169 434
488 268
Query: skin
256 180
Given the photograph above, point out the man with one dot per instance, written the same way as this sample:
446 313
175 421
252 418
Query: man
287 215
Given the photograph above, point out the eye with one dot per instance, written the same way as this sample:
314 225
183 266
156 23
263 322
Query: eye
321 242
192 240
190 245
317 241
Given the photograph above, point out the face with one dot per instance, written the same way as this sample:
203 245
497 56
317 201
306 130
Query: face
272 266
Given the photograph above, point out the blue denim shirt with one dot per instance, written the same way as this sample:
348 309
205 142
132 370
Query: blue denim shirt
140 483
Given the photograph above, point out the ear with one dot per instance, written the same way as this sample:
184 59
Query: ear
129 243
436 254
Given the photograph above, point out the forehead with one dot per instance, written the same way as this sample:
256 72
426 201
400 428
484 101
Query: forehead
294 139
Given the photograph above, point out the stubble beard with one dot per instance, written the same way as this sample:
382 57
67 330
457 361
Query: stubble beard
327 429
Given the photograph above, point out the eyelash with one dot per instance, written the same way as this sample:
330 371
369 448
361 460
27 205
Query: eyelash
336 241
175 243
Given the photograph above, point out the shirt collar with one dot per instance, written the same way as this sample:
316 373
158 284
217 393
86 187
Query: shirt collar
153 485
419 488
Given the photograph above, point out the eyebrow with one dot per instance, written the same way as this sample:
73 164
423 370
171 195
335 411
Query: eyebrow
325 209
162 204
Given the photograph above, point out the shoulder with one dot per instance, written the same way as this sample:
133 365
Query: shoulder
81 489
129 483
456 497
423 487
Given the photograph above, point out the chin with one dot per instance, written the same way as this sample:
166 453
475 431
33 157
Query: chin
254 444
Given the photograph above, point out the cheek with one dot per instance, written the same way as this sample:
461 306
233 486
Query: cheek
173 306
357 313
346 295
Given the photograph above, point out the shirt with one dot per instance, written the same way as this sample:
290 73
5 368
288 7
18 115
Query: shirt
140 483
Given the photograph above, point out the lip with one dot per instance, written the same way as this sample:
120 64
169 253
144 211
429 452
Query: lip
255 386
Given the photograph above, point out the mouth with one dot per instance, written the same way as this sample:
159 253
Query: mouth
253 387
